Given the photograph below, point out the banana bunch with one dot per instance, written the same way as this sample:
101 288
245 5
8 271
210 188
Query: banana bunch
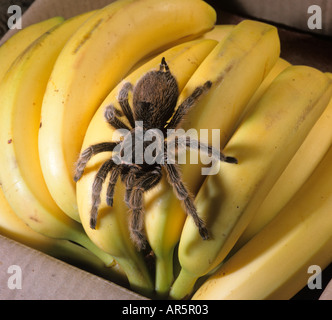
274 264
294 176
42 86
21 91
59 76
264 143
102 52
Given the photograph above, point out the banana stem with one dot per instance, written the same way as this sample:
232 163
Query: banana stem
183 285
82 239
138 275
83 258
164 274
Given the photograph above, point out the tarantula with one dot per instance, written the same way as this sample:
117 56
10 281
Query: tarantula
154 100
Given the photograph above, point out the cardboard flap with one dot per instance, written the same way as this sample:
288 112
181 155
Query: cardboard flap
27 274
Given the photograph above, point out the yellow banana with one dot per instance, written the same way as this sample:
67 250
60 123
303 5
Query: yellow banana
11 226
10 49
219 32
92 63
112 234
237 68
239 63
280 65
265 141
274 264
21 176
296 173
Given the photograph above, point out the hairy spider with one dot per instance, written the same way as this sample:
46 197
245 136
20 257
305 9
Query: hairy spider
154 100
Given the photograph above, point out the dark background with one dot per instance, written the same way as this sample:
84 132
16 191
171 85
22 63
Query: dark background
296 47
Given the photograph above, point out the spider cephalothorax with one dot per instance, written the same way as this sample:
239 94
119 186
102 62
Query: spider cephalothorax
154 100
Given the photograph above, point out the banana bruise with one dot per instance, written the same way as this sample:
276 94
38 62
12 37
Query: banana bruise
91 65
274 264
264 143
21 178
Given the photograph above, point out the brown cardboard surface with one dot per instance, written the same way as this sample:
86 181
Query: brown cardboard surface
46 278
327 294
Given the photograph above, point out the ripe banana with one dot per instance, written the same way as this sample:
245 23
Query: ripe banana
265 141
280 65
10 49
236 67
274 265
92 63
11 226
296 173
21 93
219 32
112 234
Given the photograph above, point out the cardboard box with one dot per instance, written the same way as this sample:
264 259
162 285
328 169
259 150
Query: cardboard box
47 278
298 14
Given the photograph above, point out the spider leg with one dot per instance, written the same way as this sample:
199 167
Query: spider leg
184 107
88 153
96 190
111 115
183 194
136 219
142 184
129 181
124 103
115 172
211 151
